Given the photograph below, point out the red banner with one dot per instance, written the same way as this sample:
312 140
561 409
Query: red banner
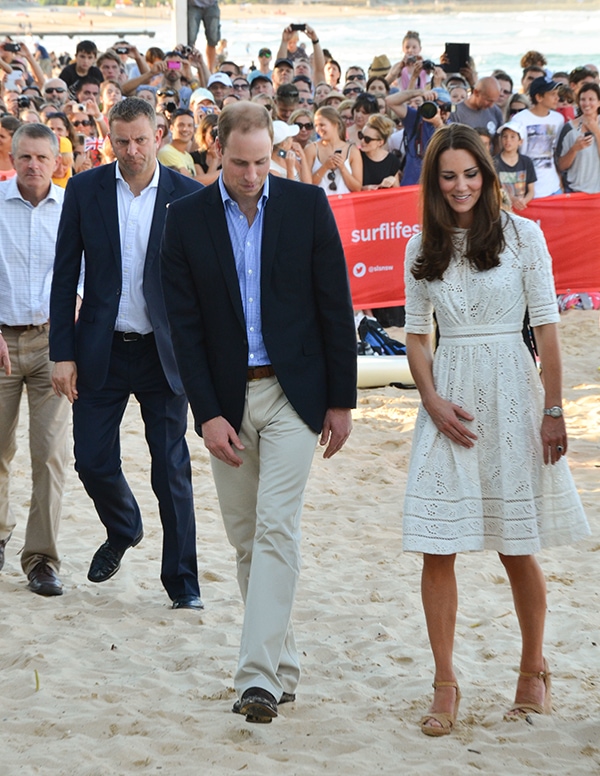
375 227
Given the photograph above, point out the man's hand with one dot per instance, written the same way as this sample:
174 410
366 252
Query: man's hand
336 430
220 439
64 379
4 357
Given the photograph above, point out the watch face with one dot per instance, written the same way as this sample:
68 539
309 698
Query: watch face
554 412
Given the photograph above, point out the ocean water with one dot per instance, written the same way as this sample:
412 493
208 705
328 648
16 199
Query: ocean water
567 38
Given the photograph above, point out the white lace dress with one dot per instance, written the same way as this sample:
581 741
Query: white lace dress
498 494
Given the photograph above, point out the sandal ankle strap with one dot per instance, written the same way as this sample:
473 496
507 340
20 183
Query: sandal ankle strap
435 685
535 674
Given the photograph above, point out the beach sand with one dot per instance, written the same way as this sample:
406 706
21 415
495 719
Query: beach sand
128 686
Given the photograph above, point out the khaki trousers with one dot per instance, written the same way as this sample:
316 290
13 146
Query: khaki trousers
48 428
261 504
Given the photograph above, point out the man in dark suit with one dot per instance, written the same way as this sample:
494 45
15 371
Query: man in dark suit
258 300
121 345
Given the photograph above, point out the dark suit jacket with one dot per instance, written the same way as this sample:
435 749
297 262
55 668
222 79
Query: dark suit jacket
307 318
90 224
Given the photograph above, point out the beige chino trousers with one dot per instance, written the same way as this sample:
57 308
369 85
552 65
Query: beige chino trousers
261 504
48 428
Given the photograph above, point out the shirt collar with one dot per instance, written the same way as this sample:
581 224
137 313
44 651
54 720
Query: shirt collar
225 196
153 183
12 192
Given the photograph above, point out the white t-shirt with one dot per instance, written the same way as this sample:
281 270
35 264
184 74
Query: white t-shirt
539 145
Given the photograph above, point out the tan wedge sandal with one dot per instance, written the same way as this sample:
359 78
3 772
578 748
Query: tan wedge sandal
446 720
521 710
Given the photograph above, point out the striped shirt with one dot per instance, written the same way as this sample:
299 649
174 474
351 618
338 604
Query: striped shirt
246 242
27 244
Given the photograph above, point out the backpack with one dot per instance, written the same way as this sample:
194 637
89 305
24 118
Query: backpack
371 333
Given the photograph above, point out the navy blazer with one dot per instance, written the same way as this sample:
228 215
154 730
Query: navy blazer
89 225
306 309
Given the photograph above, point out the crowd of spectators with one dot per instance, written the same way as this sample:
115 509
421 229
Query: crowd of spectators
362 127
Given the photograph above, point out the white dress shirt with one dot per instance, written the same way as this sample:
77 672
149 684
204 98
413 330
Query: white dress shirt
135 222
27 243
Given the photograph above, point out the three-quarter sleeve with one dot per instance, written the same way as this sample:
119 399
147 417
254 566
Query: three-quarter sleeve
418 308
537 276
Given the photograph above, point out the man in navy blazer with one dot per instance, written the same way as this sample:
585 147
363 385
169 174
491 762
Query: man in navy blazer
258 300
120 345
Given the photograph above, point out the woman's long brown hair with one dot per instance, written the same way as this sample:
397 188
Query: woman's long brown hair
485 239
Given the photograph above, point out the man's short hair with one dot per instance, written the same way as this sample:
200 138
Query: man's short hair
579 74
87 79
500 75
130 109
533 69
109 54
87 46
34 132
243 117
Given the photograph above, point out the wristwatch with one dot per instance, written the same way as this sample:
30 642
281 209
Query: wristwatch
554 412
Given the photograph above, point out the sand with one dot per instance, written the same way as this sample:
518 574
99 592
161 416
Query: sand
128 686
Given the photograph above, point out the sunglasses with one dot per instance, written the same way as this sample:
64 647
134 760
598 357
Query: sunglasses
166 93
266 54
352 91
57 89
356 77
83 123
241 87
331 178
366 139
307 126
306 101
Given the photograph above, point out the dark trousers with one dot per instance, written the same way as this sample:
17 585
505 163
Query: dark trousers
135 369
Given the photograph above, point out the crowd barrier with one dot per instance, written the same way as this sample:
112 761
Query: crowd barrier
375 227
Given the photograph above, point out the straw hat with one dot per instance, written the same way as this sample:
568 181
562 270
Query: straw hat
380 65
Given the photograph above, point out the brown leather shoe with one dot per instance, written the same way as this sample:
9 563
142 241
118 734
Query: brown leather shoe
3 543
43 580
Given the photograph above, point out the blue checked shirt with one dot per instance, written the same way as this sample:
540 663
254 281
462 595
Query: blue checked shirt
246 242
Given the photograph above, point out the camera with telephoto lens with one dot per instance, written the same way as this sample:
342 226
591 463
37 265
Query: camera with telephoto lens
427 110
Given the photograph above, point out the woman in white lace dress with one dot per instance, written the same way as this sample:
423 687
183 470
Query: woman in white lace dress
487 468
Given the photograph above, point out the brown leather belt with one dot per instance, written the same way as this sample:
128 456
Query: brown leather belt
258 372
27 327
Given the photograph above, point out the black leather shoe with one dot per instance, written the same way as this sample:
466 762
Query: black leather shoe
43 580
107 561
3 543
258 705
286 697
188 602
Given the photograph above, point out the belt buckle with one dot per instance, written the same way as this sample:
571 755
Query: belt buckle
131 336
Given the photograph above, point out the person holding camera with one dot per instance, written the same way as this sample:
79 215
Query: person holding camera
288 159
420 123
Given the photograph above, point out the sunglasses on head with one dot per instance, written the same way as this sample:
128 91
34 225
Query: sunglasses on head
82 123
307 126
57 89
366 138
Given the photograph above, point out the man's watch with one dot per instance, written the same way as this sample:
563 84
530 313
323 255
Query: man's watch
554 412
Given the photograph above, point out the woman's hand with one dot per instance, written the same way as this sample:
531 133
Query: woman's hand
554 435
448 419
